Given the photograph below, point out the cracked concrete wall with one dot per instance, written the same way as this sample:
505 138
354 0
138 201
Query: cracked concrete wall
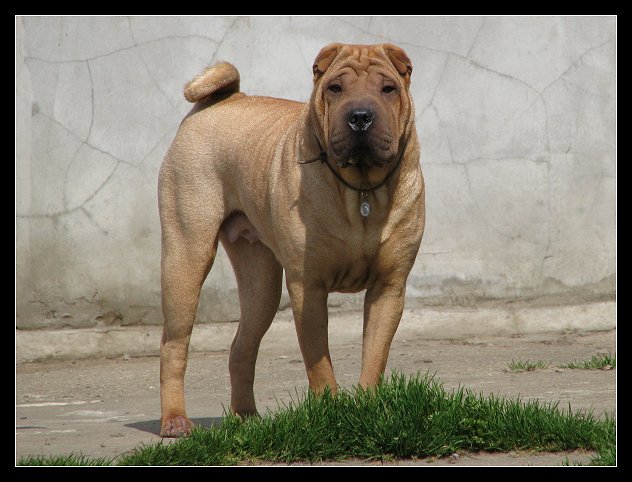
516 117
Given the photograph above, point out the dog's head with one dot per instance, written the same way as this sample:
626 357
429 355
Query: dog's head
361 106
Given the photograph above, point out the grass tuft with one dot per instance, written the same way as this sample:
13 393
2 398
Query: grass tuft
403 417
527 366
65 460
601 361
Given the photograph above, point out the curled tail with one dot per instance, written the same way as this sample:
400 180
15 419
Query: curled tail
222 77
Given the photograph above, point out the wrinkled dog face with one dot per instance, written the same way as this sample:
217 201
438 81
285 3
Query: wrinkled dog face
363 95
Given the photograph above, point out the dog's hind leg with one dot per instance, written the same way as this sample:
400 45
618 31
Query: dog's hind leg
190 227
259 278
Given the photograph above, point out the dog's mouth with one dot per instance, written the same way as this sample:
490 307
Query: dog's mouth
361 156
374 150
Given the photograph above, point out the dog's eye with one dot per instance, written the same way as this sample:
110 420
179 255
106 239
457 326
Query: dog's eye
388 89
335 88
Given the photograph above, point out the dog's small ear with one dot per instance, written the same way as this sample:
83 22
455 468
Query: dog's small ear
324 59
400 60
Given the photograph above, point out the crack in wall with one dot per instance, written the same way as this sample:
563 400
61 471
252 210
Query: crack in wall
599 182
72 160
82 142
573 137
547 134
100 187
221 41
539 283
153 148
478 32
450 149
444 52
499 159
93 221
122 49
575 62
58 214
603 95
430 103
91 101
142 59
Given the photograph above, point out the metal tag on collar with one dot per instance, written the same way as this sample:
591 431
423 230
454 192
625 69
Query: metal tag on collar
365 207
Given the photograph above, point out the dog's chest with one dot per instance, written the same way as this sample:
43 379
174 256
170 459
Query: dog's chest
353 276
352 264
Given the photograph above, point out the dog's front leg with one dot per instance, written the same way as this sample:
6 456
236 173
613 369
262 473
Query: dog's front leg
383 307
309 305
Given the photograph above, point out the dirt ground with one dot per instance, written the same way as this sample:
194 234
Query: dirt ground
106 407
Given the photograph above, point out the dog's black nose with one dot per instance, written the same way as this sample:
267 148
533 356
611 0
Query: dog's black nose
360 119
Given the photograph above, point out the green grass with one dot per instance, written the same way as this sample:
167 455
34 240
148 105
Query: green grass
601 361
527 366
403 417
607 455
72 459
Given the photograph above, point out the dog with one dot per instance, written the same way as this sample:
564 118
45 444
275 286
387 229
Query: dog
330 191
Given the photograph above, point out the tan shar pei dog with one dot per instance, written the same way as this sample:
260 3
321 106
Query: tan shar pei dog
330 191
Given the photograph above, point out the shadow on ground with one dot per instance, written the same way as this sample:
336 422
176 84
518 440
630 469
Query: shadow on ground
153 426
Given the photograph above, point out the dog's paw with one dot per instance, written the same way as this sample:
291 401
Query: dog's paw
177 426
